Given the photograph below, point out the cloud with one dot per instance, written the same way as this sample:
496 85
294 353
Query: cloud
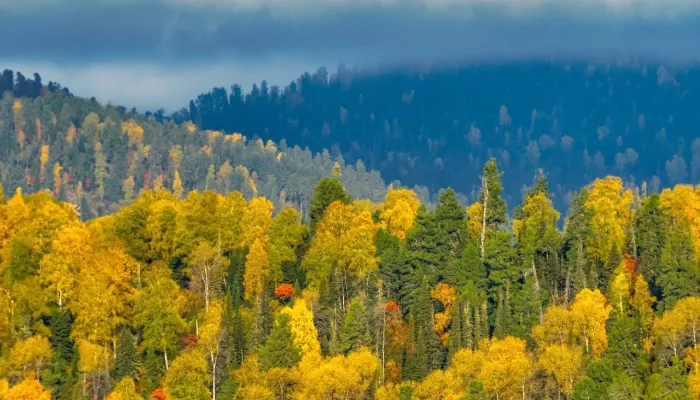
189 43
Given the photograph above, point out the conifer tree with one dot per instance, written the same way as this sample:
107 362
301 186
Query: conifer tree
468 326
127 357
355 333
679 276
327 191
455 341
279 350
651 223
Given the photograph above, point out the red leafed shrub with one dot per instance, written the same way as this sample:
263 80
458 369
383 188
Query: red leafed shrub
190 341
284 291
159 394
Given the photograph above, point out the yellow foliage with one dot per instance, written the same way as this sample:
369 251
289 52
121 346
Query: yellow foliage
692 359
303 328
43 159
683 205
565 363
555 327
475 215
439 385
134 131
589 313
177 186
57 168
400 211
612 215
212 136
93 357
465 366
125 390
28 389
30 355
191 128
270 146
257 268
507 368
176 157
348 377
257 220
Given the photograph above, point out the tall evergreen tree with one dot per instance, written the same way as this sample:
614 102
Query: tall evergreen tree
490 196
679 275
355 333
279 350
651 223
455 341
127 359
327 191
451 224
423 244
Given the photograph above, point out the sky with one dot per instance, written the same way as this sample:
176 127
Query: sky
154 54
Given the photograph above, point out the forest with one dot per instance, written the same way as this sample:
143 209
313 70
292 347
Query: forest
436 126
146 258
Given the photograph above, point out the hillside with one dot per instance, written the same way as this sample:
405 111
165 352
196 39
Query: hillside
437 126
100 157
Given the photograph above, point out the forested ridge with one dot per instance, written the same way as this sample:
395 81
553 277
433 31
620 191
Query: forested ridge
100 157
437 126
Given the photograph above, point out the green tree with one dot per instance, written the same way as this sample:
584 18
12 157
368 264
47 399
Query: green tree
188 377
327 191
279 350
679 275
355 333
126 361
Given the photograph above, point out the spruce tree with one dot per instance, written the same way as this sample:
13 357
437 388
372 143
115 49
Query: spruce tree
650 223
127 357
327 191
490 195
470 268
355 333
423 245
279 350
60 338
452 228
614 260
679 276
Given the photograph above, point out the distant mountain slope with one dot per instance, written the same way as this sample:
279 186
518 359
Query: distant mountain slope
99 157
438 127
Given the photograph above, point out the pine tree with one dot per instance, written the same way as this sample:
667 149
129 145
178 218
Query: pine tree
327 191
127 357
355 331
470 268
417 362
614 260
423 245
625 347
279 350
451 224
60 339
499 330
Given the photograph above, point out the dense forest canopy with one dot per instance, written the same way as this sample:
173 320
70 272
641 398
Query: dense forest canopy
145 258
437 126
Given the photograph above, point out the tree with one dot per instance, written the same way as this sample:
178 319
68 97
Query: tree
29 357
187 378
28 389
678 275
651 221
355 333
124 390
611 215
400 211
507 368
206 271
326 192
565 363
303 329
280 350
127 357
158 312
589 313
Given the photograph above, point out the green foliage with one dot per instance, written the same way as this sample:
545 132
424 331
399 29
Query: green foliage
355 331
127 357
327 191
279 350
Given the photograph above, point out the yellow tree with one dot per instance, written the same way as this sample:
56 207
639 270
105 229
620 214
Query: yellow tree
589 313
71 252
211 338
507 368
177 186
343 248
692 359
28 355
303 328
43 160
286 235
257 269
400 211
57 180
94 363
104 295
28 389
125 390
187 378
555 328
683 205
612 215
207 270
565 363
